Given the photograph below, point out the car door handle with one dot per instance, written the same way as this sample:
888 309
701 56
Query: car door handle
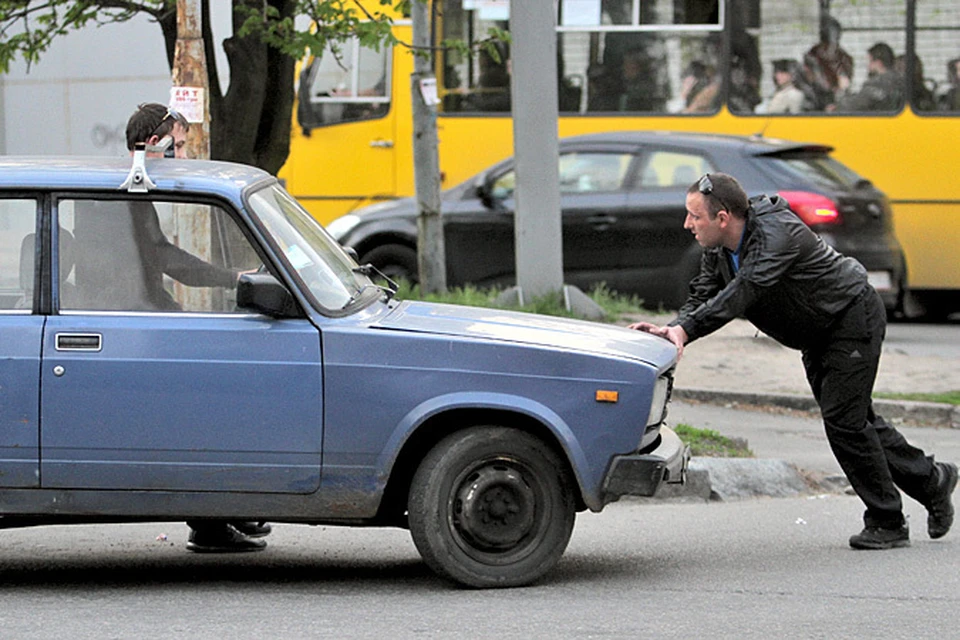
381 144
602 222
79 342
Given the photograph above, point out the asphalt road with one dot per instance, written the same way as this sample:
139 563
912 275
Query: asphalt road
758 568
940 340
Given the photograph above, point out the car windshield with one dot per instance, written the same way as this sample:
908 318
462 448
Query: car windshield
822 170
324 268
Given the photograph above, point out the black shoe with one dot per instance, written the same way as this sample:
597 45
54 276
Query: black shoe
941 505
878 538
222 540
253 529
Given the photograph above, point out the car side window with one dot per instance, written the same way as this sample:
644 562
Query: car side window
588 172
580 172
138 255
672 169
18 222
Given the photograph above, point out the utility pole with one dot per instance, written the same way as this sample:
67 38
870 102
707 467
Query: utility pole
431 255
537 220
190 81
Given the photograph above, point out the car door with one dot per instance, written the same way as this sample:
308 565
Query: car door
479 231
152 379
20 337
593 203
662 254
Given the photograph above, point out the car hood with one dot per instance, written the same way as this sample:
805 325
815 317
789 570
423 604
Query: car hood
527 328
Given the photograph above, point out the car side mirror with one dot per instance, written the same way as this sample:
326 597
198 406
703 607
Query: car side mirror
262 292
486 195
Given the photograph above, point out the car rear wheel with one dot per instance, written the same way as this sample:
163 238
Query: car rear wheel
491 507
396 261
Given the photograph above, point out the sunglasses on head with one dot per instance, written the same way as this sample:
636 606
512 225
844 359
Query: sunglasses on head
705 186
170 114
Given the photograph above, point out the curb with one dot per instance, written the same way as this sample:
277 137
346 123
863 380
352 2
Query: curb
931 414
722 479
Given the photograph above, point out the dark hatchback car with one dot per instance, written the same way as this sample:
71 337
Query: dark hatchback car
622 200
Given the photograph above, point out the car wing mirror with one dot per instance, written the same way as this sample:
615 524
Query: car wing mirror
263 293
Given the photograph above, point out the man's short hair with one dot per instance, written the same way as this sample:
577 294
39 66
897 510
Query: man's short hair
882 53
722 192
150 119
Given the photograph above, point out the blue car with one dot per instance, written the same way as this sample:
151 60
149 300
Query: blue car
179 340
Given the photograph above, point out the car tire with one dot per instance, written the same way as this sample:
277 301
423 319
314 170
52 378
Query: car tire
396 261
491 507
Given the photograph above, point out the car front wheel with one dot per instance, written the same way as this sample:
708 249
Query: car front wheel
491 507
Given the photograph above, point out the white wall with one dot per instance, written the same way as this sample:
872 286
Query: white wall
77 99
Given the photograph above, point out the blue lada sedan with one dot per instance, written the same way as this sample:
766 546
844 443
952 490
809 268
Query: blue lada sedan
181 340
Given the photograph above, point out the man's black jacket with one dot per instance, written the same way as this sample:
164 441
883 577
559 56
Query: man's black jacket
790 284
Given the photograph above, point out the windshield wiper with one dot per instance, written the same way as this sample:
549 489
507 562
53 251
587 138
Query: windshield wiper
368 270
359 292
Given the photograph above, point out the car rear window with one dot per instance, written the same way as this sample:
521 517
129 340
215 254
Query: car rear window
820 169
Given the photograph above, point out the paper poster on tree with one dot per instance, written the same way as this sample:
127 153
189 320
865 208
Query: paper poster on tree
188 101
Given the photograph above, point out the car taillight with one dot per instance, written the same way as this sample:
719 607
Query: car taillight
813 208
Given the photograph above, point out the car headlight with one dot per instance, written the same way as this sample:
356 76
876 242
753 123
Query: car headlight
342 226
658 405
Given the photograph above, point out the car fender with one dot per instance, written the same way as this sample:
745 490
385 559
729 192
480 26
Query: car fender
558 428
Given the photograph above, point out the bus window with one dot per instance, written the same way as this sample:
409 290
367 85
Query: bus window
612 56
836 58
936 73
345 84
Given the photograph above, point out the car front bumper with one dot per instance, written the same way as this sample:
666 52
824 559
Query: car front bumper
641 474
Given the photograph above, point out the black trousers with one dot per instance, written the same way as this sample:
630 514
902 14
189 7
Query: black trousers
876 458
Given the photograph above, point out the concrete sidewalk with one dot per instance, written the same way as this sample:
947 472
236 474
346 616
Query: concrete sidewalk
740 365
737 369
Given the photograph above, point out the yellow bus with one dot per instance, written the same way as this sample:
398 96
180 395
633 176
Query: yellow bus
702 65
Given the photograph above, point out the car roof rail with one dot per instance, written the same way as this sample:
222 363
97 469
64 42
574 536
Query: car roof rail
137 180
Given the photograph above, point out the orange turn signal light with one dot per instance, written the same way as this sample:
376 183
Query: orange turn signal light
607 396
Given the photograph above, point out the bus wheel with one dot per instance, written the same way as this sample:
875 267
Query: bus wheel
396 261
491 506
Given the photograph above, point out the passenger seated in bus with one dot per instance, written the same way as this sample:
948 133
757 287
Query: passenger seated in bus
700 88
492 93
816 96
834 66
921 96
629 87
787 98
949 100
883 88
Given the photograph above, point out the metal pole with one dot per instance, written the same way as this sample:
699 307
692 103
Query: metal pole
431 256
539 249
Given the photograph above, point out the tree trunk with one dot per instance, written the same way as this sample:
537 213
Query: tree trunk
251 122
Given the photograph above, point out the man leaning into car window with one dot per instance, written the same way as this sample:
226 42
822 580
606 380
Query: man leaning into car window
763 263
152 123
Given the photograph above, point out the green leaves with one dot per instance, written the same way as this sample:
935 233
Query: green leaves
28 27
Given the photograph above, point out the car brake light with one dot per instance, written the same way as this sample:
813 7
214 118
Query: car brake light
813 208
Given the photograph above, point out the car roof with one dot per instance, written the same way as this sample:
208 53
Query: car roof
226 179
753 145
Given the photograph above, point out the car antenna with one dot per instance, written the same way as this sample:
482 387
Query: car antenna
137 180
762 131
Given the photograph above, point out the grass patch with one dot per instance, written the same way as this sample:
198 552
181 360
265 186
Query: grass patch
947 397
614 305
706 442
